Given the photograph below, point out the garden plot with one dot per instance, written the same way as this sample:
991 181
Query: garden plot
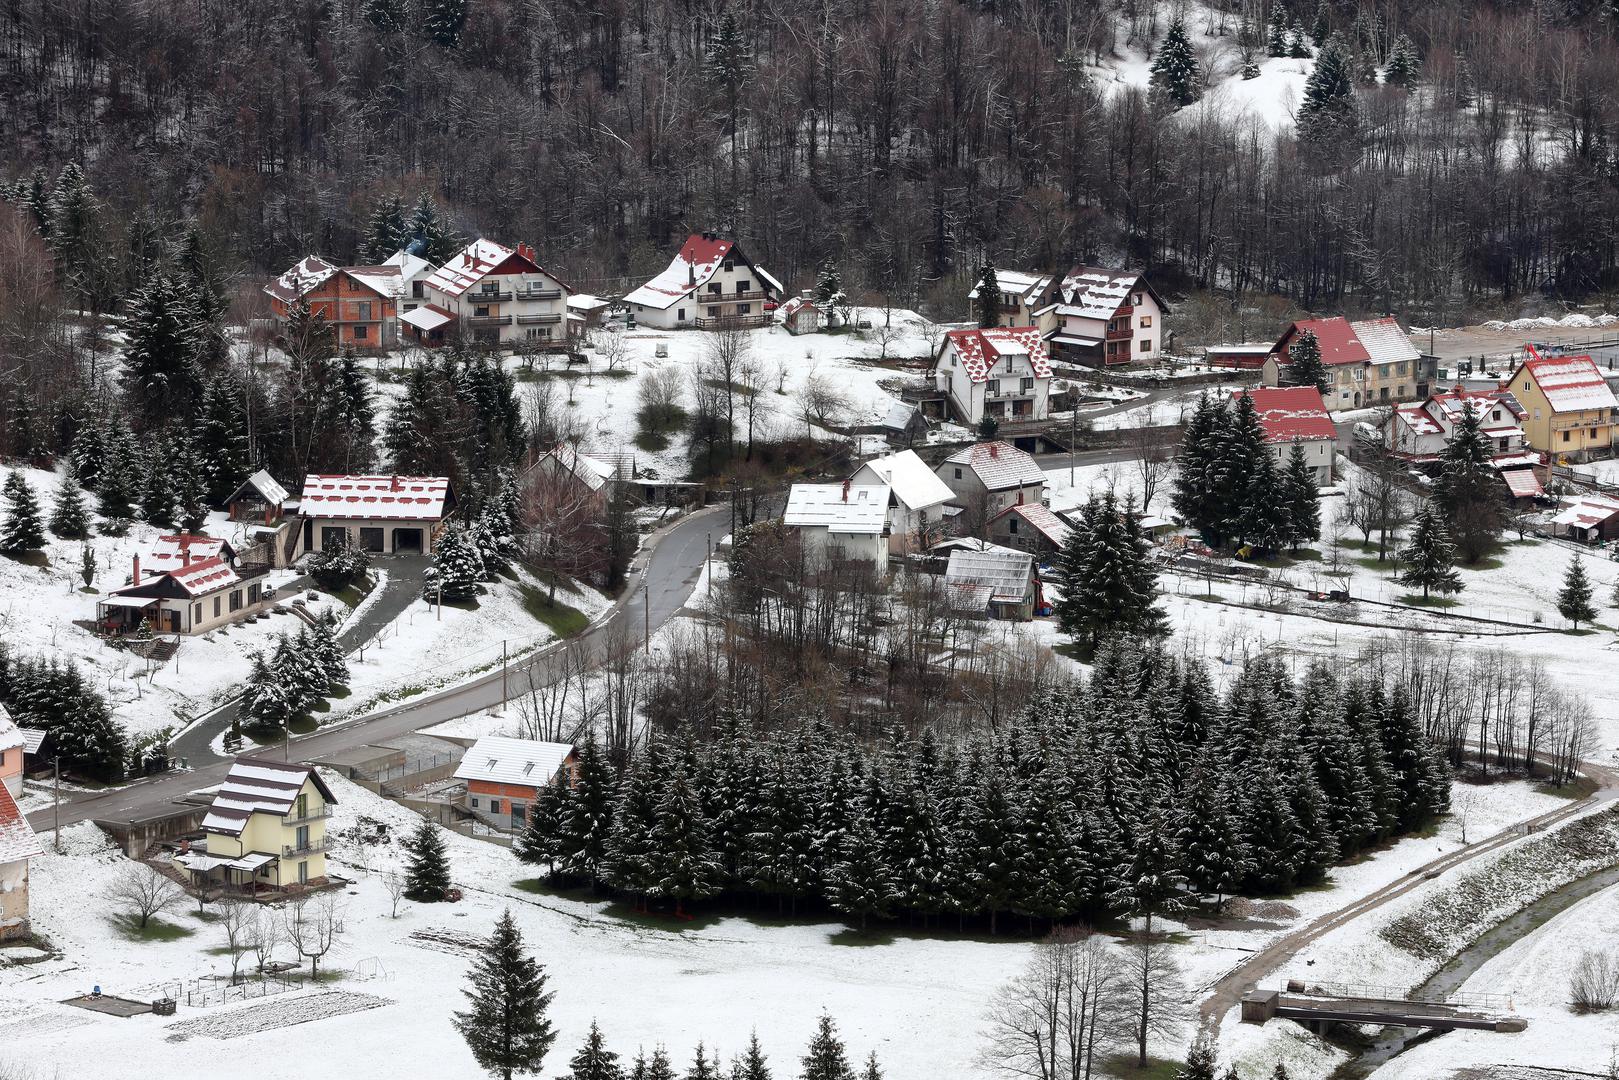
275 1015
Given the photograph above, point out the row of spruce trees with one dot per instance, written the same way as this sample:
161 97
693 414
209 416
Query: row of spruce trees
51 694
1134 792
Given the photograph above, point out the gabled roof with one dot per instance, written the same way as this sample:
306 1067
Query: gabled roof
264 486
259 786
698 259
793 306
11 735
385 281
477 261
426 317
914 484
170 553
998 465
17 839
410 266
980 350
853 509
1384 341
1374 341
1586 511
513 761
978 578
1291 412
1569 383
589 471
309 272
1018 282
1094 292
402 498
205 576
1041 519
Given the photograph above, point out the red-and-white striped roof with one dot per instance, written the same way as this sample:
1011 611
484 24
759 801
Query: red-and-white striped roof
403 498
17 839
978 351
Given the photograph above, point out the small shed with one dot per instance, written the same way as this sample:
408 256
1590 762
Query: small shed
999 584
800 316
261 500
1587 519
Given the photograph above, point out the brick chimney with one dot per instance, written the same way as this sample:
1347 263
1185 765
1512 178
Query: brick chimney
135 578
995 450
393 482
846 491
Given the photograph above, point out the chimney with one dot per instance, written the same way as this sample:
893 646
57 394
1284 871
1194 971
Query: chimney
135 578
995 451
185 552
846 491
393 482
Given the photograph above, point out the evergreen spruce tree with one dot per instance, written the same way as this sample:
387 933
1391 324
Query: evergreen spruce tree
1250 480
386 230
1429 560
1151 879
826 1058
989 297
73 234
872 1071
538 843
1298 45
161 378
752 1065
1328 117
1279 1073
1468 491
1106 575
1305 367
444 20
1276 36
1574 601
1195 469
430 233
506 1026
702 1066
457 570
221 440
682 860
728 64
1200 1061
585 821
1321 26
1250 68
22 529
594 1061
1404 68
159 503
1175 70
1302 497
1419 773
69 518
861 883
1211 837
427 874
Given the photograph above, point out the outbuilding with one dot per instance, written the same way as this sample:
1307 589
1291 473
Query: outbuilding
385 515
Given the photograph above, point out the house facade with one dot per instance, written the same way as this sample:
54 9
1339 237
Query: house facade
505 776
1370 362
988 477
1419 431
1297 415
917 499
266 828
359 303
800 315
1030 527
841 521
711 284
1022 293
497 294
1002 372
386 515
12 745
1569 412
18 844
1102 318
198 595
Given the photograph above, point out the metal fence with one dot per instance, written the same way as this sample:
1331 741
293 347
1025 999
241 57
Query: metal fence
411 767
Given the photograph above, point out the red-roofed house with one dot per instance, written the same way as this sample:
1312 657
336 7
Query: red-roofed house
388 515
359 302
710 285
1296 414
1103 317
497 294
18 844
1569 412
192 597
1370 362
1001 372
1418 431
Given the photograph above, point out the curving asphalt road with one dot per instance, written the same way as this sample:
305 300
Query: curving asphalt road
665 574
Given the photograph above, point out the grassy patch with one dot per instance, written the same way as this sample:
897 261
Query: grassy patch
29 558
855 937
1488 562
1125 1065
1581 787
651 441
154 930
1418 600
564 621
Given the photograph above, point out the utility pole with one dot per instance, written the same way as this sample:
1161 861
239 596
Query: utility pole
56 800
503 694
1073 432
708 563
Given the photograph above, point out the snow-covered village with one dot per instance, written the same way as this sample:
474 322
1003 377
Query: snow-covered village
870 541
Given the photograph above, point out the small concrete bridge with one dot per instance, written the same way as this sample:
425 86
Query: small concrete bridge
1317 1005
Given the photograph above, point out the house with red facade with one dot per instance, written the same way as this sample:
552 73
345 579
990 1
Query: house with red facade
360 303
504 776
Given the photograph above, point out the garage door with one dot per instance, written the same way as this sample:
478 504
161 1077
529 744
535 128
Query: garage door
408 540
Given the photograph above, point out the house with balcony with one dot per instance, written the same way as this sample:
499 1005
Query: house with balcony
358 302
504 777
265 829
1418 432
497 294
18 844
841 521
711 284
1102 318
192 594
1569 411
1002 372
1023 293
1368 362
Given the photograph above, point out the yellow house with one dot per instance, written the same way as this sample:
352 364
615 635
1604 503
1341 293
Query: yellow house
266 828
1568 409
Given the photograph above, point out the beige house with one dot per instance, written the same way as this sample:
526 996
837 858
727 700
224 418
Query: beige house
1023 293
385 515
1369 362
18 844
266 828
193 597
1568 410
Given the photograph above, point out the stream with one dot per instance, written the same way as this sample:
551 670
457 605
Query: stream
1459 968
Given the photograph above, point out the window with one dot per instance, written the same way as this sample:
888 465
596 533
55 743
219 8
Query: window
1146 322
714 312
1399 369
958 474
680 314
475 802
481 311
303 806
994 386
1565 435
236 600
1011 526
716 287
729 265
216 607
416 290
196 614
744 309
744 285
494 806
300 838
1027 384
1136 299
360 332
491 287
1146 344
365 311
519 812
303 873
1593 433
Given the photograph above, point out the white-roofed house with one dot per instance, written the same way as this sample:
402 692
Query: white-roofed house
504 776
1103 317
1030 527
497 294
999 584
711 284
1023 292
413 272
18 844
564 464
260 500
1002 372
12 746
1569 411
988 477
387 515
266 828
841 521
916 499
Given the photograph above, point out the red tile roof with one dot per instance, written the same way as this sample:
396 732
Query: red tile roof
17 839
980 350
1291 412
1570 383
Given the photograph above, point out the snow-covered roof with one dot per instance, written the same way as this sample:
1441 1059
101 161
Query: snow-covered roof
978 578
11 735
385 281
909 478
17 839
476 261
970 543
697 260
1415 419
258 786
426 317
589 471
513 761
793 306
170 553
206 576
586 302
1570 383
857 509
265 486
1041 519
406 498
998 464
897 416
410 266
32 739
1375 341
1096 293
768 278
978 351
1384 341
308 273
1019 282
1291 412
1523 483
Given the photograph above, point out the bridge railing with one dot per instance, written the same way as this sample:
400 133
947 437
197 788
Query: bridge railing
1374 992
